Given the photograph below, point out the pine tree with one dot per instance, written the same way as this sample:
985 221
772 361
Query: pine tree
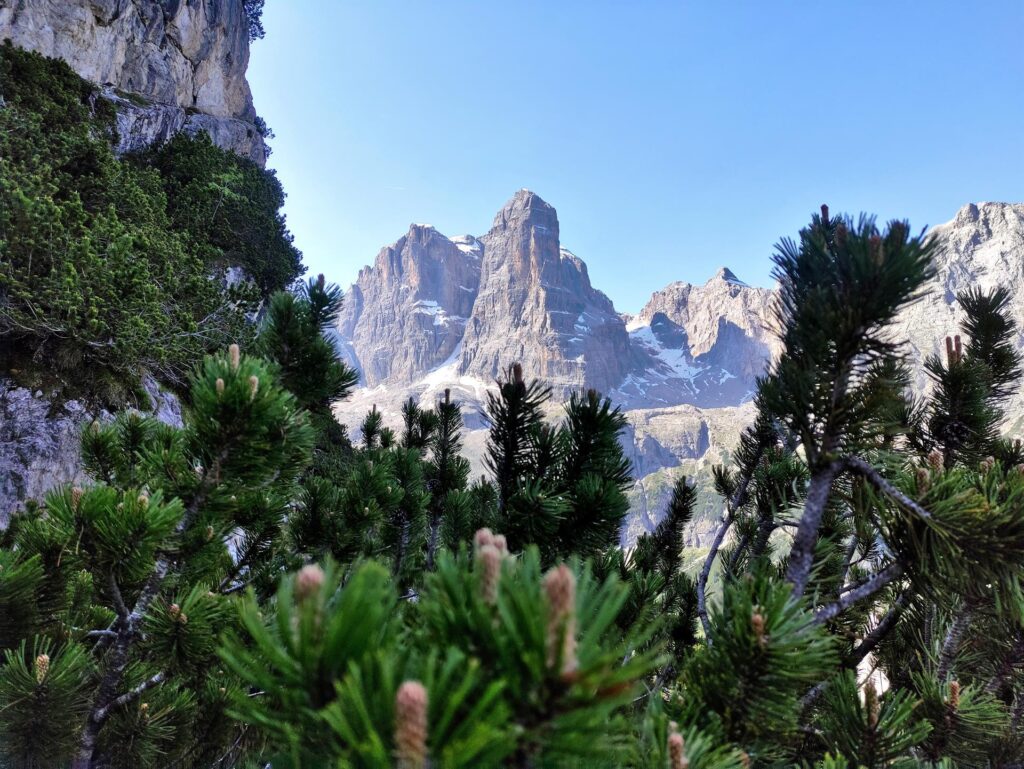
447 477
130 596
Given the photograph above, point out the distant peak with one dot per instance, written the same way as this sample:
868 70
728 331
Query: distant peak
526 199
526 204
724 273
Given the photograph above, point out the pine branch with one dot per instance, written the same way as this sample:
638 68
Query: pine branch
801 556
101 634
705 572
117 598
868 588
1013 657
880 631
738 498
128 630
951 644
869 473
131 695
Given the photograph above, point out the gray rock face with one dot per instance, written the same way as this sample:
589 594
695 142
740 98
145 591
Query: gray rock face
536 306
38 445
407 314
186 59
40 440
983 247
702 345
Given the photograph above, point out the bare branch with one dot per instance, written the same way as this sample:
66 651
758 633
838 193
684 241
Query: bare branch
868 588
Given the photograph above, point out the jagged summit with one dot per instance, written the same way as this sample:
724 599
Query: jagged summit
526 206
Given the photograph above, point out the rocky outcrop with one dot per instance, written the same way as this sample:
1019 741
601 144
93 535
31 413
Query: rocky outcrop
170 65
702 345
406 315
982 247
536 306
40 439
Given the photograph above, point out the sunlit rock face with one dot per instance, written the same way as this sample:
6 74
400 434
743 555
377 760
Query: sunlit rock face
169 65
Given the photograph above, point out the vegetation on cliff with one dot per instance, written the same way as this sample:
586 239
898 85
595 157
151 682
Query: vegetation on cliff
111 265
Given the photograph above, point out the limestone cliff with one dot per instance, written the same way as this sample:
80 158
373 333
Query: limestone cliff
407 314
169 65
536 306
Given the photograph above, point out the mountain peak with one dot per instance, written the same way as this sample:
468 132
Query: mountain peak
526 205
724 273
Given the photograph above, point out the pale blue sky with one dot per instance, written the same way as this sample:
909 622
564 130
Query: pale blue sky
672 137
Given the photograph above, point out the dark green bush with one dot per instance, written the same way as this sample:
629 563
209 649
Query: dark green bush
109 266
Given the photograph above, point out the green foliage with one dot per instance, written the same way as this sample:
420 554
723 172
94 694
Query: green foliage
293 337
253 10
110 266
145 621
766 655
560 487
511 666
44 697
229 208
869 733
123 584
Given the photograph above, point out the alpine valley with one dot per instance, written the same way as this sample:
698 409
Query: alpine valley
435 312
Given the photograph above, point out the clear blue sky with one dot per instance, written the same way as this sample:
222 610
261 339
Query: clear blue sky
672 137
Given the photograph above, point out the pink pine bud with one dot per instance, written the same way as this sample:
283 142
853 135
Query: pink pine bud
489 559
501 543
42 667
254 386
987 464
76 498
924 479
936 460
954 695
481 538
950 352
871 703
677 752
757 624
220 386
411 725
143 500
94 428
560 588
235 356
958 348
308 582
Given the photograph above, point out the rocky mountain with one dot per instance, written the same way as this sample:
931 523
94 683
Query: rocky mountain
435 313
169 65
536 305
